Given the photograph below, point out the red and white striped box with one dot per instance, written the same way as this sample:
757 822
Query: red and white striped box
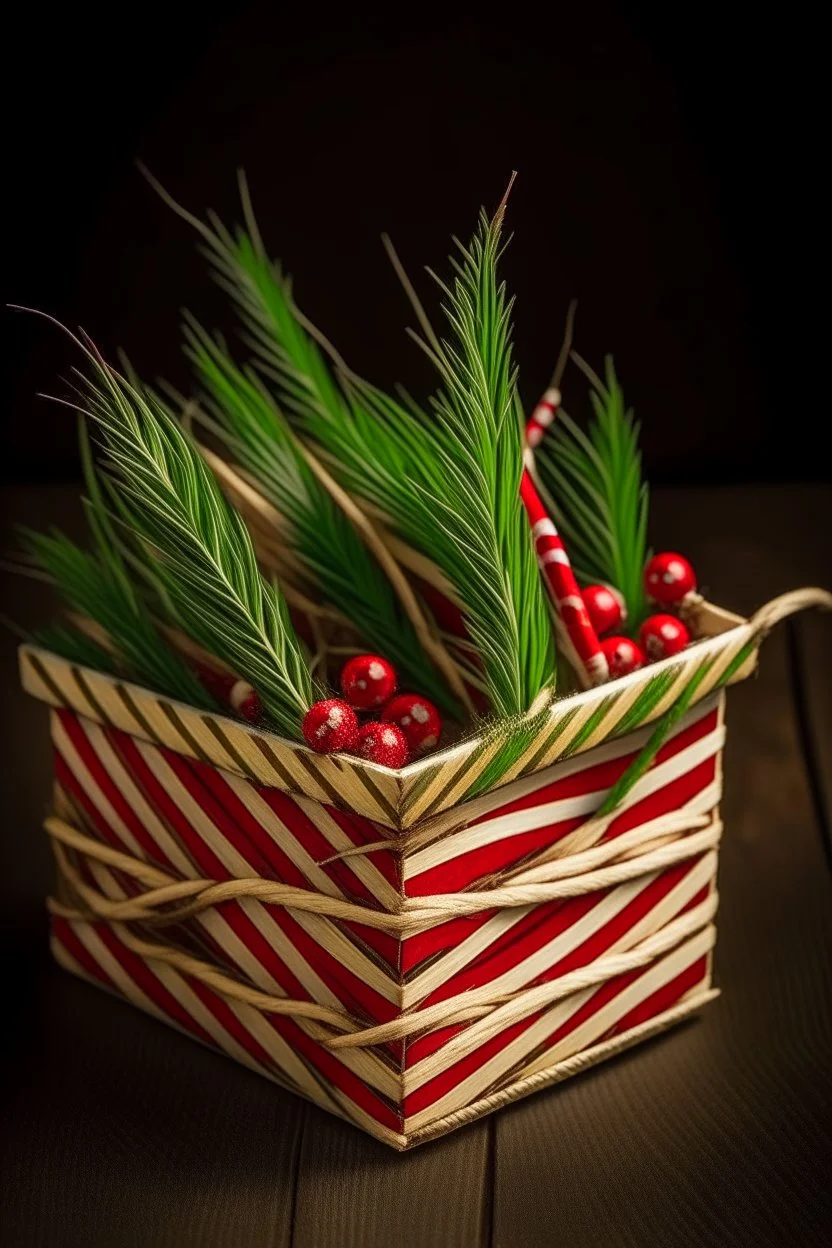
407 949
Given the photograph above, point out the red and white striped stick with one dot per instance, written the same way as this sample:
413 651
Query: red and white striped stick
561 583
551 552
542 417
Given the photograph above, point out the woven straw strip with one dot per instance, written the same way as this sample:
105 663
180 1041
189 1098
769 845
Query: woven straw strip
503 1009
412 915
525 1085
399 799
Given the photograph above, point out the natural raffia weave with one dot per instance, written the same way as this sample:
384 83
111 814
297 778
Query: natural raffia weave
408 975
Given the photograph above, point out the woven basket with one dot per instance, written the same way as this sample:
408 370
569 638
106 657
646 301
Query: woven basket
410 949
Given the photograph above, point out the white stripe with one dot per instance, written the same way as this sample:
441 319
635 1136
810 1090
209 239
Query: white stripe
597 1025
92 789
200 821
461 843
557 555
544 528
283 838
534 964
539 962
323 931
131 793
630 743
359 864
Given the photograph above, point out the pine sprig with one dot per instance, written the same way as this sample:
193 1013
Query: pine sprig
96 584
449 486
194 549
595 492
75 646
246 418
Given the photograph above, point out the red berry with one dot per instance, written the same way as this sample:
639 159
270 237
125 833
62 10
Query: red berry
605 607
330 725
623 655
245 701
668 578
382 743
418 719
368 681
663 635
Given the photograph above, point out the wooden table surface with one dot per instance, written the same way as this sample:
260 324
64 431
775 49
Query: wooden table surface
119 1131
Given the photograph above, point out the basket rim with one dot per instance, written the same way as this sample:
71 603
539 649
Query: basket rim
393 797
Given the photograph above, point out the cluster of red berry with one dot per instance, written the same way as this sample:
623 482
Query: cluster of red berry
669 580
408 724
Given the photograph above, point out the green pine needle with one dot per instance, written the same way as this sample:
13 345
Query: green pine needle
95 584
71 644
193 547
594 490
448 485
246 418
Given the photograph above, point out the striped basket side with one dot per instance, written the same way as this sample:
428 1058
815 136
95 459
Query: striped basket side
461 1009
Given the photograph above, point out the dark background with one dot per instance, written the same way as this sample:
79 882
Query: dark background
670 178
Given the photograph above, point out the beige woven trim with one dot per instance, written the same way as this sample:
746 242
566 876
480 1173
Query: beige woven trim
501 1011
561 1070
321 1094
423 789
168 900
158 905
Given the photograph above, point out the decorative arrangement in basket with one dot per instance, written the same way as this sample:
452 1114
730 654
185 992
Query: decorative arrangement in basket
387 756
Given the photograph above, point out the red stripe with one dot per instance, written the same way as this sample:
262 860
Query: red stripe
205 860
665 997
64 934
141 974
417 949
279 865
229 1021
497 961
73 725
664 801
228 829
93 819
595 777
336 1073
154 990
364 832
443 1083
456 874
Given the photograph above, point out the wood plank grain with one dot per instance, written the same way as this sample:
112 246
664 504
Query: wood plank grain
716 1133
118 1131
355 1193
811 651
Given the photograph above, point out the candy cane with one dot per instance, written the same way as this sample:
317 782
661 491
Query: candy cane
542 417
560 580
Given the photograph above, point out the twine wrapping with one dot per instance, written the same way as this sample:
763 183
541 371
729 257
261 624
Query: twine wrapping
166 900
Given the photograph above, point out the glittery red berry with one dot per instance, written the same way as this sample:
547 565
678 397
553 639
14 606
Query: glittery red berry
245 701
605 607
418 719
330 725
623 655
661 636
368 681
382 743
668 578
